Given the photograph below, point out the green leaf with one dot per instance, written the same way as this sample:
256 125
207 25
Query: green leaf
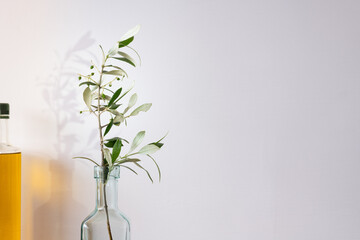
113 50
103 53
87 83
115 106
87 98
138 55
131 33
137 140
115 72
119 68
87 159
124 60
111 142
144 170
108 89
116 150
158 144
125 42
116 113
133 160
143 108
148 149
163 137
158 168
129 168
109 126
125 93
127 56
115 96
132 102
107 155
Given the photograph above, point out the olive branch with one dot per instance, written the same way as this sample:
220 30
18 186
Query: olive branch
101 97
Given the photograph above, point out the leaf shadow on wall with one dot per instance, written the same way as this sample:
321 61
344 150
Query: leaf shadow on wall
54 219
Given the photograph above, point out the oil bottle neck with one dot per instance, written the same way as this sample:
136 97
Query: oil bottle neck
4 128
5 147
4 131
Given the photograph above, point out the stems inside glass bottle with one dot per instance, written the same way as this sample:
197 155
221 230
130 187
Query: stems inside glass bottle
107 214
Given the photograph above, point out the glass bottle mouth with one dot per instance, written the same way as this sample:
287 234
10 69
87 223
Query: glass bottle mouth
103 172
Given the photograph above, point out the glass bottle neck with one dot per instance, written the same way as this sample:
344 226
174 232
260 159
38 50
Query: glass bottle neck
5 147
4 131
107 193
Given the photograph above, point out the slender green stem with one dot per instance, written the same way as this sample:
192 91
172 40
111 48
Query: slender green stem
107 214
100 129
110 82
95 67
103 161
88 77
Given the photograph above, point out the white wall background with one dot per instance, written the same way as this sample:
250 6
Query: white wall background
261 99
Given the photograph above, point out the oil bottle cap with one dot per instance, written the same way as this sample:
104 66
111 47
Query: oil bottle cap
4 110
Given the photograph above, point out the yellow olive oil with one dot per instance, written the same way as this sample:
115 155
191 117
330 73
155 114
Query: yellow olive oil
10 196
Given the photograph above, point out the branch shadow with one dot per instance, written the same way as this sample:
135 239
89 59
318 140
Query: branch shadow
49 207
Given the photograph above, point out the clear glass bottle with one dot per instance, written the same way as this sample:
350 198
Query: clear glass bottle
99 224
10 181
